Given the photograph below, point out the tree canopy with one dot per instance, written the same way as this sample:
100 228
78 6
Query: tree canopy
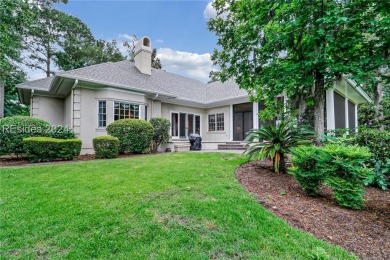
290 47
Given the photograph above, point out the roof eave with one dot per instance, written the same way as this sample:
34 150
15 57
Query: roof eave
359 90
116 85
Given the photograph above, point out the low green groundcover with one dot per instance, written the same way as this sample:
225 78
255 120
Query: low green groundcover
170 206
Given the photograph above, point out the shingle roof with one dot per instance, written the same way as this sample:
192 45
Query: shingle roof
39 84
125 74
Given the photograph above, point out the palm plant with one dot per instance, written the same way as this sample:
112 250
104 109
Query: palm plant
275 142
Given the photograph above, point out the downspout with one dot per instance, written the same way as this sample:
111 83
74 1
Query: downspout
71 101
31 103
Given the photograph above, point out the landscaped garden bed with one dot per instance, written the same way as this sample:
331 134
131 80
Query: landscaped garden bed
365 232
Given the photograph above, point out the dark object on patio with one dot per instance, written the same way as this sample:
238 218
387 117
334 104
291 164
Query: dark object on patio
195 141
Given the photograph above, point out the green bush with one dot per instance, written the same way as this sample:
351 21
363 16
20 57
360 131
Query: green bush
106 147
40 149
60 132
340 167
14 129
347 174
378 143
307 171
134 135
161 132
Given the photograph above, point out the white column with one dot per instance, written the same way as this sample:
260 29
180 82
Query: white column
356 118
346 113
330 116
231 122
255 115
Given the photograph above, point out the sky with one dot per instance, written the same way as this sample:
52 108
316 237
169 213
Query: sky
178 29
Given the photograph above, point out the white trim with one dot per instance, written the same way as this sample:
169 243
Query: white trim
127 102
356 118
231 122
346 113
115 90
110 84
330 113
216 131
178 123
359 90
101 127
255 115
123 101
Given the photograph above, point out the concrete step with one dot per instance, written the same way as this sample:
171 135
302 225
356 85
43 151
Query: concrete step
231 147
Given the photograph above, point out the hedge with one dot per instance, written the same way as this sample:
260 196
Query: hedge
40 149
14 129
106 147
60 132
135 135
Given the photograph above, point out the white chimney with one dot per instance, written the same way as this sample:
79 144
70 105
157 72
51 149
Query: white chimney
143 56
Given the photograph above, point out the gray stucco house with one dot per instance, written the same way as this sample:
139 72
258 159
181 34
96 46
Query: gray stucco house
89 99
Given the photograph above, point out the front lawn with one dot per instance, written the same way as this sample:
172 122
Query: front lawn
171 206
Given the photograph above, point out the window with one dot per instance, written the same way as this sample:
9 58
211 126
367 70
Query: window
175 124
211 122
217 122
125 110
183 124
102 114
221 122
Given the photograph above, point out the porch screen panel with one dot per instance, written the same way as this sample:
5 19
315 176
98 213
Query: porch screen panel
351 115
175 124
248 123
339 108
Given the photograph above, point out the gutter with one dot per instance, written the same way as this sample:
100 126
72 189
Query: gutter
76 82
359 90
116 85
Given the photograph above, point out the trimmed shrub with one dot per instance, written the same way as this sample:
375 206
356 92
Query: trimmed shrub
378 143
106 147
14 129
347 174
307 171
161 132
40 149
340 167
134 135
61 132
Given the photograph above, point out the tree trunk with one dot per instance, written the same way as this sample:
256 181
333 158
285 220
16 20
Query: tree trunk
282 166
319 104
2 95
378 93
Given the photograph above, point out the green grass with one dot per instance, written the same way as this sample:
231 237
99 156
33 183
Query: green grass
172 206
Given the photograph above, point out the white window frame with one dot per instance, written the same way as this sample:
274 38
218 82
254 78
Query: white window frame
98 114
129 103
178 123
216 122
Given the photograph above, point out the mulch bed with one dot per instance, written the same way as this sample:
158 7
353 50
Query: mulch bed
13 161
365 232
